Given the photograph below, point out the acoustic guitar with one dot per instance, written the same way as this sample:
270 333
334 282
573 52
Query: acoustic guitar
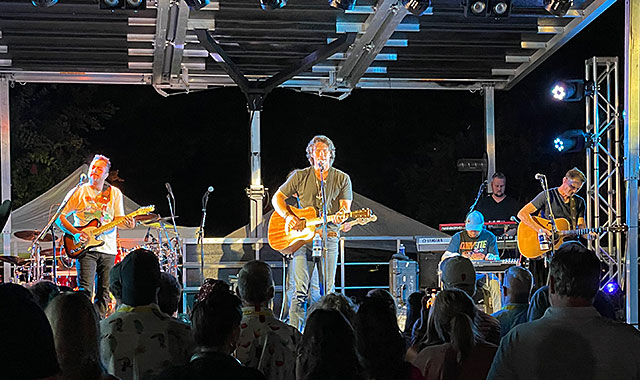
529 245
288 241
74 248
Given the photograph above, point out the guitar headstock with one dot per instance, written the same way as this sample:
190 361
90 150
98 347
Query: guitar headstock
622 228
144 210
362 213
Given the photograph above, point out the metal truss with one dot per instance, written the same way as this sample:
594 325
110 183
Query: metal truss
605 194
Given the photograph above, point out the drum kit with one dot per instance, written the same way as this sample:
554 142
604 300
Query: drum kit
40 264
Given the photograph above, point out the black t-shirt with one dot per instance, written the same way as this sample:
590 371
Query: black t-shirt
559 207
494 211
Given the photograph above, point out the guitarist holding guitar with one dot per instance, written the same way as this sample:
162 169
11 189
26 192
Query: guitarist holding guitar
565 204
95 200
306 184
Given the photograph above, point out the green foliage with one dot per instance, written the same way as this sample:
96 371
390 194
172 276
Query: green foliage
49 126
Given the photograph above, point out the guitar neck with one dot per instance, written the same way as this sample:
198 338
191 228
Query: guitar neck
114 223
330 218
582 231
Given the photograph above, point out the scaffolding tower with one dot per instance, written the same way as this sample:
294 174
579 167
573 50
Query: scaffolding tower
605 162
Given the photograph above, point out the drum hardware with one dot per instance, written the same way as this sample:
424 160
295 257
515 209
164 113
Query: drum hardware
30 235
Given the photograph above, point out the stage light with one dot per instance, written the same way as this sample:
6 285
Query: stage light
197 4
44 3
272 4
569 90
346 5
558 7
136 4
501 8
416 7
611 287
111 4
573 140
475 8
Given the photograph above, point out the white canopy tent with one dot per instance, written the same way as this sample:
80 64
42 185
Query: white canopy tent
35 215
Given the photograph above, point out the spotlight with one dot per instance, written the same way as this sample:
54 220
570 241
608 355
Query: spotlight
197 4
558 7
345 5
475 8
416 7
44 3
573 140
272 4
111 4
136 4
501 8
611 287
572 90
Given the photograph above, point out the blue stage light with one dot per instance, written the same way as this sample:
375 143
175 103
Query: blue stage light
573 140
572 90
611 287
272 4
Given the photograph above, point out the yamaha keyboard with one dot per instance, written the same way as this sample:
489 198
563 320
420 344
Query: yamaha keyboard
455 227
428 244
493 266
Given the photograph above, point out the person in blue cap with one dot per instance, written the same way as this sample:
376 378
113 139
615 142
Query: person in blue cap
476 243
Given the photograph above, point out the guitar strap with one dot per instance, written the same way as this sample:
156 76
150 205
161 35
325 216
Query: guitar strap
574 212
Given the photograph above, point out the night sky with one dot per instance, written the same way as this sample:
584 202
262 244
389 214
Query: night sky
400 147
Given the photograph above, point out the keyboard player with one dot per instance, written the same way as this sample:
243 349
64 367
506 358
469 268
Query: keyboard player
498 206
476 243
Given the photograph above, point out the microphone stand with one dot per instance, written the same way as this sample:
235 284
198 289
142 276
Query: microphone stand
554 228
205 200
323 259
49 226
483 185
173 269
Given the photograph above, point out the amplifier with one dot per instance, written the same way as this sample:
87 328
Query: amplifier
403 279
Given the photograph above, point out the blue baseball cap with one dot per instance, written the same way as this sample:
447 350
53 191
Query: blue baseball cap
474 221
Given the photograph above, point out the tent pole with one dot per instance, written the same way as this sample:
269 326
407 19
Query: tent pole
5 167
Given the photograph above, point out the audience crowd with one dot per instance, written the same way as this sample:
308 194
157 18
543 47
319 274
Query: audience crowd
52 334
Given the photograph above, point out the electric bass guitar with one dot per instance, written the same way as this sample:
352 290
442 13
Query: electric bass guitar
529 245
288 241
74 248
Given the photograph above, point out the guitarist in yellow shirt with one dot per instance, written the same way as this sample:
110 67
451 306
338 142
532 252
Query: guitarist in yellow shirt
95 200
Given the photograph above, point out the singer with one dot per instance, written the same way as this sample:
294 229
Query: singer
95 200
306 184
565 203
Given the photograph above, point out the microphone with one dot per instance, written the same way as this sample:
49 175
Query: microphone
205 197
209 189
83 178
146 237
539 176
168 186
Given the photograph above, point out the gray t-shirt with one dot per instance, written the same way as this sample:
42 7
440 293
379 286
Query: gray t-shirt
559 207
305 183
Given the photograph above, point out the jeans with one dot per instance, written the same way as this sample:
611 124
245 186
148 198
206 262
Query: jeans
303 269
88 266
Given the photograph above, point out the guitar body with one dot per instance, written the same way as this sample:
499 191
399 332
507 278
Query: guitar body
74 249
287 242
528 243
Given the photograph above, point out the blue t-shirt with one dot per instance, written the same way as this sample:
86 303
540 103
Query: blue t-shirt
474 249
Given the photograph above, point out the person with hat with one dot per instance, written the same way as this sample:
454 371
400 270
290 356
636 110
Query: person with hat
476 243
139 340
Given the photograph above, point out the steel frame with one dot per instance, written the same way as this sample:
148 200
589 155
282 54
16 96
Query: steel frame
604 163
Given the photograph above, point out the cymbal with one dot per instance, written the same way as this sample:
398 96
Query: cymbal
149 222
146 218
15 260
29 235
